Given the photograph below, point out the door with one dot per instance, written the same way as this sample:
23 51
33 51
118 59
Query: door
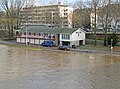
80 42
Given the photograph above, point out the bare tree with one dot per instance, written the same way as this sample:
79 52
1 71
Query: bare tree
52 2
108 13
5 6
81 15
58 21
95 4
19 6
115 14
12 9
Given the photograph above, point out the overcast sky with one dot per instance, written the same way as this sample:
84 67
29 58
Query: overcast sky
45 2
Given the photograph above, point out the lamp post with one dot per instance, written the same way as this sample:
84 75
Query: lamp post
26 35
111 45
111 50
26 17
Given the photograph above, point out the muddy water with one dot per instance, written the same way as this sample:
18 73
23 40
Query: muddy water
30 69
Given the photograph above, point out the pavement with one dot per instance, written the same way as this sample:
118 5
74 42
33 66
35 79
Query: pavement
7 42
95 51
55 48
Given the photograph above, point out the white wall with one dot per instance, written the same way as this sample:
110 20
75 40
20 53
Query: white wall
78 35
22 40
36 41
32 41
18 39
41 41
75 37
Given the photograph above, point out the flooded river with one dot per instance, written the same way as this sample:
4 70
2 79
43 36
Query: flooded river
32 69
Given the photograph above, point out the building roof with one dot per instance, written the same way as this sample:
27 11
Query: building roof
38 29
47 6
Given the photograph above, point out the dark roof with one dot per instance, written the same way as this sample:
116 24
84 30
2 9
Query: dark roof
38 29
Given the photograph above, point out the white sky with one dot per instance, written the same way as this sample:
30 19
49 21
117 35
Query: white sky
45 2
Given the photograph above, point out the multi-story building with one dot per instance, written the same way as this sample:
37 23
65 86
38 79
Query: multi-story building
58 15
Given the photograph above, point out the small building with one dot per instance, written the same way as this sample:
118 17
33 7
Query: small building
61 36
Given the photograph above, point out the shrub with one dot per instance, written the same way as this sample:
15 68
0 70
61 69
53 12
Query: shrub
114 37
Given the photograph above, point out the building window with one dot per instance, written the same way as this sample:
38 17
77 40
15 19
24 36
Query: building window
20 33
29 33
118 26
34 34
45 34
24 33
39 34
65 13
65 36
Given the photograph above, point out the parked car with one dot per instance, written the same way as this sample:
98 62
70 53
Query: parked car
48 43
73 46
64 47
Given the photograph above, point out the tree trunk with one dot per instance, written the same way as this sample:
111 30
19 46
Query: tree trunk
106 26
17 24
105 38
8 26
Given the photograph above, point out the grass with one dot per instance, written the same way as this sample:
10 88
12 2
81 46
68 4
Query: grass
98 47
36 49
23 46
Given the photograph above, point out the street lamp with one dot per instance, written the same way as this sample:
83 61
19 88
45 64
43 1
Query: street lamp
26 17
111 50
111 45
26 35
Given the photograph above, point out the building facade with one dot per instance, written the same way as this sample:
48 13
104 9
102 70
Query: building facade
61 36
58 15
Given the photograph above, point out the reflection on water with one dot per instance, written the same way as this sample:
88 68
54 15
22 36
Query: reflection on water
27 69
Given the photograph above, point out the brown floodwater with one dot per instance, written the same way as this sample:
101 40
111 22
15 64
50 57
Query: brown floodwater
33 69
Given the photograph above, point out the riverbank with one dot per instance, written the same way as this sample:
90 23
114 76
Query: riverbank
85 48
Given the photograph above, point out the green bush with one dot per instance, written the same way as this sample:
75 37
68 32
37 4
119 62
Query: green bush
3 34
114 41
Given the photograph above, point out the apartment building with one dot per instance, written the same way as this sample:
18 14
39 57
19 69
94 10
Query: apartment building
57 15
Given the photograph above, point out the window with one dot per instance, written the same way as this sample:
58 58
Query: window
34 34
39 34
65 36
29 33
20 34
45 34
118 26
24 33
65 13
